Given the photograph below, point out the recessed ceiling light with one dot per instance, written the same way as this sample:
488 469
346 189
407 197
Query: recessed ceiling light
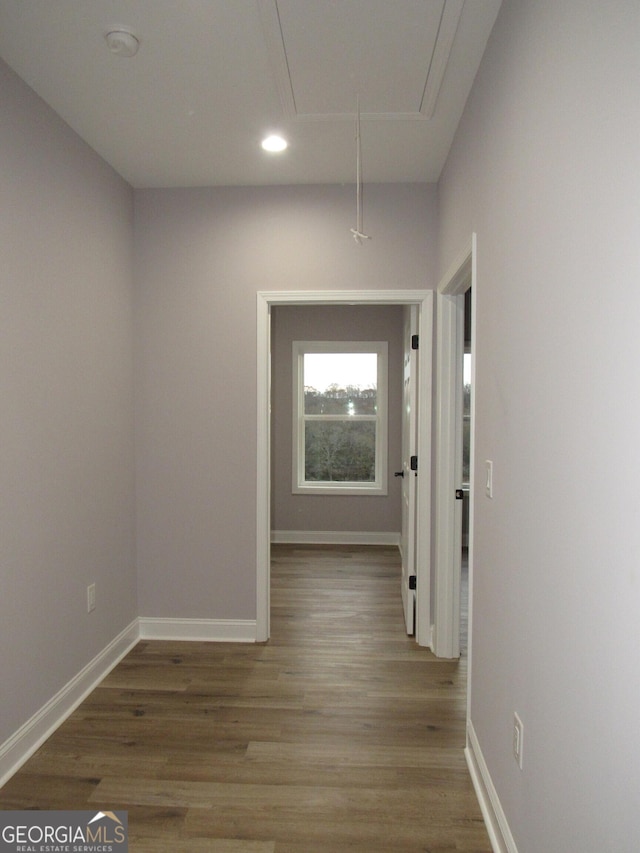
274 144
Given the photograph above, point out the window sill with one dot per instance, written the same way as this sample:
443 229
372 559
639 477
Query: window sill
336 489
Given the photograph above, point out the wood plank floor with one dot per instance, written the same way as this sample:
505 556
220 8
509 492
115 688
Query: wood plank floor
338 735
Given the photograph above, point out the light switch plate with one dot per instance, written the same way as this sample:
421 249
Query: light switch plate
489 478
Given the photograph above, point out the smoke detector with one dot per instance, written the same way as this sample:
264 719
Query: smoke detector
122 43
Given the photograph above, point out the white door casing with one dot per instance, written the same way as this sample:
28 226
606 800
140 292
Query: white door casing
449 403
423 300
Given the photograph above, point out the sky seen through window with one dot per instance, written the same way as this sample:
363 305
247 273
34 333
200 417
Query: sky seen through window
358 369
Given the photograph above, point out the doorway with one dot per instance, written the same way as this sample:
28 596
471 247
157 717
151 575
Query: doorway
453 496
423 302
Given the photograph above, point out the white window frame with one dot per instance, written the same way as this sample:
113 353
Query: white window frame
299 484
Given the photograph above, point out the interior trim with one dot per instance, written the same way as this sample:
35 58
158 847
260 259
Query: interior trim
203 630
15 751
492 811
334 537
265 300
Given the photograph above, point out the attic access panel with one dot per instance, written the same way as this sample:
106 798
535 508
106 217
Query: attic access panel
324 56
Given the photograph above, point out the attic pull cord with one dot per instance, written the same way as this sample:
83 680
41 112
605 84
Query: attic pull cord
357 232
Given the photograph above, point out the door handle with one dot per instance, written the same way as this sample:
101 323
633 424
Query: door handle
399 474
459 494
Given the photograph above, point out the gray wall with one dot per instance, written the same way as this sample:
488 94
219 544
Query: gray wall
67 373
364 513
201 257
546 169
66 432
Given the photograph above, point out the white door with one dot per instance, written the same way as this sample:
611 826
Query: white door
409 442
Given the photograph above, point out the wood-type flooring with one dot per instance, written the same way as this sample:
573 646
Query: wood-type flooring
339 735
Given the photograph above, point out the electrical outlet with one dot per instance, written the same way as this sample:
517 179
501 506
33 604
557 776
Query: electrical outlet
91 597
518 739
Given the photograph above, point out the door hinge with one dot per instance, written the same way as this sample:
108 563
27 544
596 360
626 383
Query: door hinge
412 581
415 341
414 463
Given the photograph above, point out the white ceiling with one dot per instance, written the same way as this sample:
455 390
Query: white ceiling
212 77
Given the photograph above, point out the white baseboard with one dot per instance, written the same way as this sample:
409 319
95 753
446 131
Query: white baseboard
26 740
15 751
208 630
333 537
494 816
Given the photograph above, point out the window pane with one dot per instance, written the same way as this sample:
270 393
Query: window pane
340 383
340 451
340 401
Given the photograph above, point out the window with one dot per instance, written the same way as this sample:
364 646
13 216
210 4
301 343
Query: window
340 417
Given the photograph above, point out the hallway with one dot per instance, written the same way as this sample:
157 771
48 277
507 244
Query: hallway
338 735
